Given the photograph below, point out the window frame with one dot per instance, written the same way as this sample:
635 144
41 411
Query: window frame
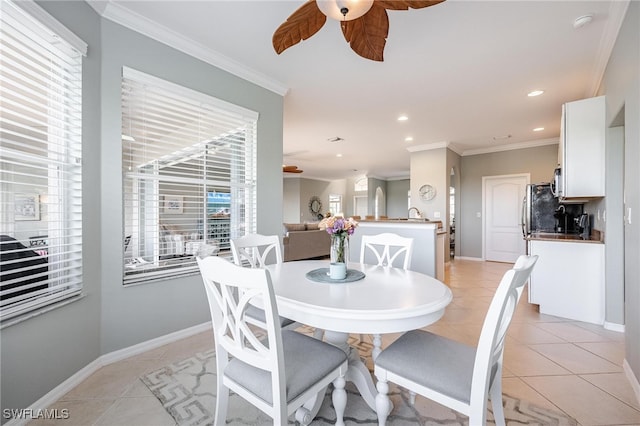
42 159
180 176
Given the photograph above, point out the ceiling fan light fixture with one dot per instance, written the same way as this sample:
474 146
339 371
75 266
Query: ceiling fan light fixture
344 10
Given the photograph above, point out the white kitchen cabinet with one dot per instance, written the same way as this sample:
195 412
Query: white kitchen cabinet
568 280
581 150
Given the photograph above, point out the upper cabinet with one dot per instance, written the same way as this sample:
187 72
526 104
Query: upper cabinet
582 148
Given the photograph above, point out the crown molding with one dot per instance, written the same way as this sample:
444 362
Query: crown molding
437 145
121 15
511 147
614 21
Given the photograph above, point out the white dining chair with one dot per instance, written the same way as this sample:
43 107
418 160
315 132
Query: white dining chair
387 249
280 374
451 373
257 251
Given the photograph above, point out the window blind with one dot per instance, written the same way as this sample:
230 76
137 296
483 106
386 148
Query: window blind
189 170
40 160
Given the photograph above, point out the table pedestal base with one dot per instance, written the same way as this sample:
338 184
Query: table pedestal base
357 373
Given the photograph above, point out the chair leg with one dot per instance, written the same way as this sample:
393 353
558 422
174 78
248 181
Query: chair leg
318 334
495 394
383 403
339 398
222 401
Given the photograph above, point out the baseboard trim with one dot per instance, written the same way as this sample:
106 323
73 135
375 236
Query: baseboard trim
106 359
613 326
139 348
475 259
633 380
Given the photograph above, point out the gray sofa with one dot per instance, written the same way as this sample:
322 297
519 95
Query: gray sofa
305 241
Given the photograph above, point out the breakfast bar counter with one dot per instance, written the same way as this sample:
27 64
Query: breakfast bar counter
425 257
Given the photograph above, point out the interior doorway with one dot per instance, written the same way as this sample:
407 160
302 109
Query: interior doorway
360 205
502 215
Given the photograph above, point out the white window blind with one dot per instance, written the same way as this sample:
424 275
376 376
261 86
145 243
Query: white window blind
40 160
189 170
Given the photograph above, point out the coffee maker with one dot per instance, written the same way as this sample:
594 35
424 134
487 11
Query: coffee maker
583 226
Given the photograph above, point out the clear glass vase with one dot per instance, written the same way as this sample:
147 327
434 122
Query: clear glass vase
340 249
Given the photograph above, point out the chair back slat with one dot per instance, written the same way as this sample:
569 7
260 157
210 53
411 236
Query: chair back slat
257 250
230 294
490 350
387 248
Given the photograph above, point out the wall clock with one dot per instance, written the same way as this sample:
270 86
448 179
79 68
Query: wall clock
427 192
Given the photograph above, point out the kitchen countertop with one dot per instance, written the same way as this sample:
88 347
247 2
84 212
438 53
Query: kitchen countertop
595 237
403 220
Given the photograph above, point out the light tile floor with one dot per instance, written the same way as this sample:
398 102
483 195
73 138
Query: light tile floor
555 363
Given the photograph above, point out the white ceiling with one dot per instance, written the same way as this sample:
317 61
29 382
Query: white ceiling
460 70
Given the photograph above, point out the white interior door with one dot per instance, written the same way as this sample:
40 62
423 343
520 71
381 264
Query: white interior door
502 205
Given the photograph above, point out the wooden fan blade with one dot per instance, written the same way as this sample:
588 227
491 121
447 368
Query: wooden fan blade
367 35
302 24
407 4
291 169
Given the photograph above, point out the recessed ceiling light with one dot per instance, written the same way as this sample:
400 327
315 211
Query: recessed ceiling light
408 139
403 117
535 93
538 129
338 155
583 20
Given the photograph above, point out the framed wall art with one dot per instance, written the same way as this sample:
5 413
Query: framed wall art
27 206
173 204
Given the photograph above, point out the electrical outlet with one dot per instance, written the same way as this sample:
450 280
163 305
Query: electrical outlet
436 215
478 214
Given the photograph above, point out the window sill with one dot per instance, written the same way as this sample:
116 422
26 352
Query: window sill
40 311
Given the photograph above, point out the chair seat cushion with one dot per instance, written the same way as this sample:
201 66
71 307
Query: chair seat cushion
433 361
306 361
258 314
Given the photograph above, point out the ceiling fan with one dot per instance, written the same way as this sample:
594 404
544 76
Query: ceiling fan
291 169
364 23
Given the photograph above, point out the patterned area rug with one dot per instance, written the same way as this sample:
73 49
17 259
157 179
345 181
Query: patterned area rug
187 390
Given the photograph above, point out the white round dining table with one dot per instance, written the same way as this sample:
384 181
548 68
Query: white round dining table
386 300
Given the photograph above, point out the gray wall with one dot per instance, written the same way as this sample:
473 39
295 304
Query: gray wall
146 306
291 200
372 188
430 167
298 191
621 85
613 226
40 353
398 197
539 162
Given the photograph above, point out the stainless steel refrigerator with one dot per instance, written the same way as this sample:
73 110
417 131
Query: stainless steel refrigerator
541 211
539 207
